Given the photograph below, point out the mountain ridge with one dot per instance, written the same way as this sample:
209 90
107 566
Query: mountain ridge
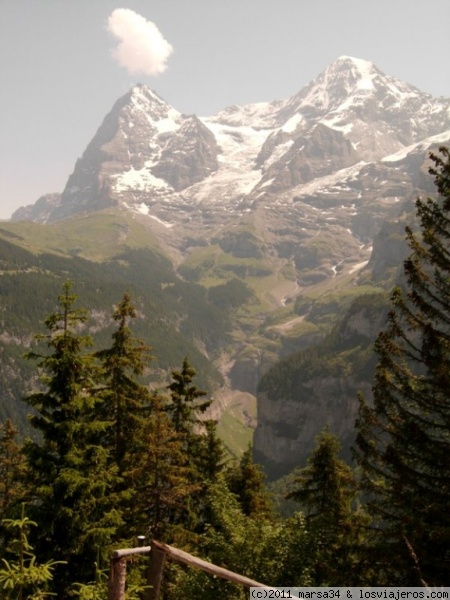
143 144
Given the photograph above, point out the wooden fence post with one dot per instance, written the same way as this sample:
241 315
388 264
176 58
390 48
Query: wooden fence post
117 578
155 572
158 552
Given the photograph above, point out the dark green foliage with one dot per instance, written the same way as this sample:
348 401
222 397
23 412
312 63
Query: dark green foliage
210 457
326 489
247 481
202 452
21 576
184 408
173 315
267 550
112 459
125 405
230 295
124 401
12 471
403 440
69 469
160 477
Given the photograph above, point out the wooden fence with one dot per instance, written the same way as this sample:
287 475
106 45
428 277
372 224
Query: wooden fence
158 553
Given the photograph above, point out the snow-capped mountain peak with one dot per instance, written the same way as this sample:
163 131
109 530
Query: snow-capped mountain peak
360 68
340 81
148 153
156 111
352 73
140 93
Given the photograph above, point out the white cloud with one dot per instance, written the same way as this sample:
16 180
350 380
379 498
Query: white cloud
141 46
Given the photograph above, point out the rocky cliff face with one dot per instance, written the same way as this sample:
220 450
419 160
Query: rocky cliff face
189 156
287 430
118 160
316 388
39 211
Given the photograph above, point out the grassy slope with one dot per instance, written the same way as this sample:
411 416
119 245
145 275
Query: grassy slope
96 236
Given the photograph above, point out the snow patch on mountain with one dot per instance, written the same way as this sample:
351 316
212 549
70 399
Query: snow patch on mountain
358 267
141 179
170 123
321 184
237 174
158 113
336 123
259 115
291 124
164 223
442 138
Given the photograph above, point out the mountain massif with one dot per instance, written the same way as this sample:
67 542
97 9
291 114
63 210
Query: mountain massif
283 219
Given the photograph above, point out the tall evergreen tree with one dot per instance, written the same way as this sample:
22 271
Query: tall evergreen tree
160 477
247 481
69 469
211 454
326 489
184 407
403 441
125 401
202 450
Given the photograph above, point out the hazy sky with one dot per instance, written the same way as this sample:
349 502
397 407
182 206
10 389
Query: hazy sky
59 77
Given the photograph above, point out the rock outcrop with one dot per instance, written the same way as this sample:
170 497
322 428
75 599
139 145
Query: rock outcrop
317 388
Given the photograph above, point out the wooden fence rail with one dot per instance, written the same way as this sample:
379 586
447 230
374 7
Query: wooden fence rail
158 553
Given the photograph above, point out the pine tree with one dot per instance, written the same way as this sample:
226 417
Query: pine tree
326 489
202 451
403 441
210 458
160 477
247 481
184 410
69 468
184 407
125 401
326 486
